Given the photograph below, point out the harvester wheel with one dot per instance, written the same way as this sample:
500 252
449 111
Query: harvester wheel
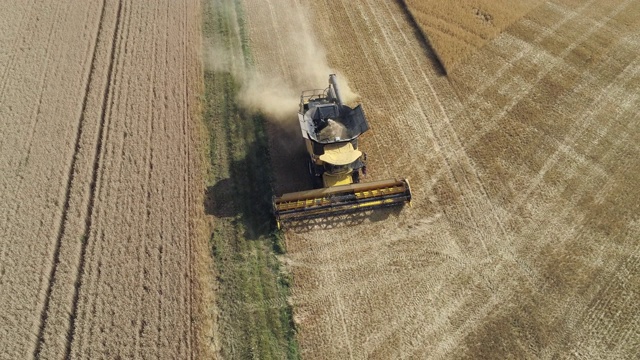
316 178
356 176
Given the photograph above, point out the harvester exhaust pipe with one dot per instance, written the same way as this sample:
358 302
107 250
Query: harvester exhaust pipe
336 90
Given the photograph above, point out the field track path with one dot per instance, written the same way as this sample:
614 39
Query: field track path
102 194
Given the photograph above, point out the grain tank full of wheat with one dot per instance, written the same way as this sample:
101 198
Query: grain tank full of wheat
330 130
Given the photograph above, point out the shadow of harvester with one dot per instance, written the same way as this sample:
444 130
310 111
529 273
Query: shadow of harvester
244 196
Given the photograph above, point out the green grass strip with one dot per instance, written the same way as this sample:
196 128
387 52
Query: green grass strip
255 320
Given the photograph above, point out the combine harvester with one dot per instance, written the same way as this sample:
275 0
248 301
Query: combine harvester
330 130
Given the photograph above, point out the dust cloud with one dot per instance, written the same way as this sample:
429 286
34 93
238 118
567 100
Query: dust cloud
270 96
273 87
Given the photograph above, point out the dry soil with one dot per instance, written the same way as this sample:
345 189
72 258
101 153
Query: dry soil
101 187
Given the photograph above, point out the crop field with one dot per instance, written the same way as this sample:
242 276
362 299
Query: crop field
100 192
522 239
141 142
455 30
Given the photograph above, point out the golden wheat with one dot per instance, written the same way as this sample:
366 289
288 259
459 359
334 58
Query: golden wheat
101 187
455 29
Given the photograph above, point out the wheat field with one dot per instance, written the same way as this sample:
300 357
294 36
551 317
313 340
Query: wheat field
456 29
101 185
522 237
130 228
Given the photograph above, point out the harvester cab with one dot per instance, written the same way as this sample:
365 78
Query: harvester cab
330 130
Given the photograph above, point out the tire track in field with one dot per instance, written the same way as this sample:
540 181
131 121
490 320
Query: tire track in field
162 258
143 248
594 101
39 188
67 196
455 157
43 80
112 183
94 178
452 155
476 206
338 296
563 147
160 249
587 81
45 75
35 119
492 124
527 51
186 181
126 133
12 212
13 52
120 200
439 135
394 58
579 129
582 308
596 327
372 63
400 60
123 97
119 46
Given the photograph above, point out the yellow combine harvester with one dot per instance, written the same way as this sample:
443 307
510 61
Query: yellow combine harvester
330 130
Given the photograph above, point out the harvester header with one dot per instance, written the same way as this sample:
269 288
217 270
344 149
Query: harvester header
330 130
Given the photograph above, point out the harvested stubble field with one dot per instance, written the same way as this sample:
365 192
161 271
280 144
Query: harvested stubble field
522 241
100 192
